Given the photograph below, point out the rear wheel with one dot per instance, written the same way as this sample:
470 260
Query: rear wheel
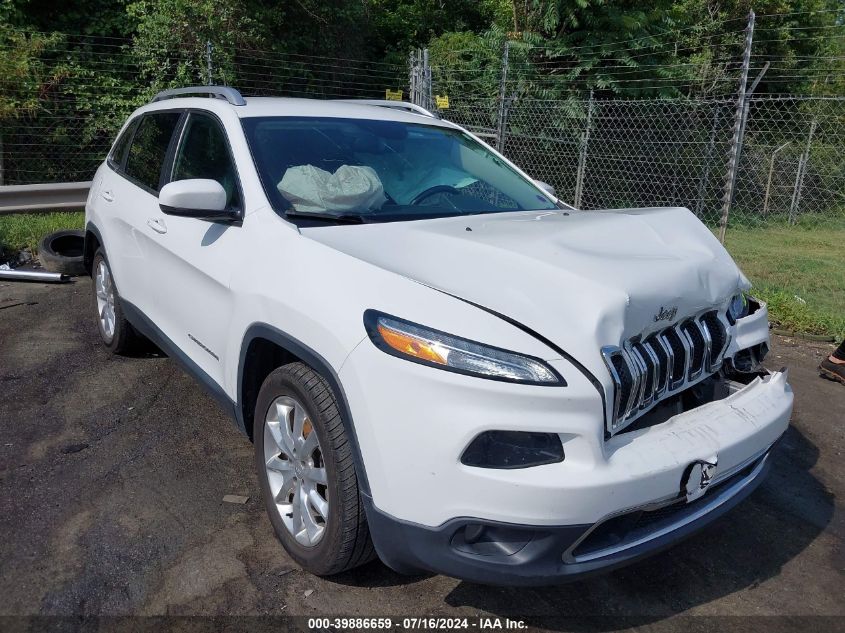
307 474
115 331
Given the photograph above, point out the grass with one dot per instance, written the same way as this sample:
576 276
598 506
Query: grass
799 272
24 230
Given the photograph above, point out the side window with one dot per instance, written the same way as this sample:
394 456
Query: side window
204 153
118 152
149 148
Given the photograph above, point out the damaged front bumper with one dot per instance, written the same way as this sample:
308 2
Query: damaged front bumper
644 497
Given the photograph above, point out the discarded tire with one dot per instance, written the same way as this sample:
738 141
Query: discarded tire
61 252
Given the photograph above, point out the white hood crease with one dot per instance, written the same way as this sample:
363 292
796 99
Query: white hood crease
583 280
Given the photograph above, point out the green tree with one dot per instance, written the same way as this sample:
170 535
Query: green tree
170 39
400 25
101 18
662 47
24 78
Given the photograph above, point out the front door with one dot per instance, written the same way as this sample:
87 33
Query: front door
191 258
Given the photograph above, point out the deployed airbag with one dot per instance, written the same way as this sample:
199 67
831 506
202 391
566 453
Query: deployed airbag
350 188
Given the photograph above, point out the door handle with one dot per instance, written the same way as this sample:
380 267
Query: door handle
157 225
107 196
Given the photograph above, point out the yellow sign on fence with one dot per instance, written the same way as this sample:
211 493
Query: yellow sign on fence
393 95
442 102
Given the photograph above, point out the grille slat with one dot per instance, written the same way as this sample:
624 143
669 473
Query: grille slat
718 338
661 359
625 383
647 364
697 346
679 357
646 371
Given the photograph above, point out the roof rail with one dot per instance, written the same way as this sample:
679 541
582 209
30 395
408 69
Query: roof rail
396 105
221 92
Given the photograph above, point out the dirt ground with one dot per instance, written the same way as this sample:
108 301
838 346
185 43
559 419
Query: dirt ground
113 472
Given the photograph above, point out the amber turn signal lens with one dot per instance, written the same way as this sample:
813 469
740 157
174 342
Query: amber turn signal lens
412 346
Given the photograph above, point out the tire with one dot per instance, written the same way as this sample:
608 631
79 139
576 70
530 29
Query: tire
122 338
344 541
62 252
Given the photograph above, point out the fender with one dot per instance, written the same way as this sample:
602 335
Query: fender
313 359
87 253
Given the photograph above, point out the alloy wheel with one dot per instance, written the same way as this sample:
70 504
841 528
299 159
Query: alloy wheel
296 471
104 290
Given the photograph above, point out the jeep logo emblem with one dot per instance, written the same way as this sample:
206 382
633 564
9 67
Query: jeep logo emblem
666 314
697 478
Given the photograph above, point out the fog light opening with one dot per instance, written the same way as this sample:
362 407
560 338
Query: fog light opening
490 540
513 449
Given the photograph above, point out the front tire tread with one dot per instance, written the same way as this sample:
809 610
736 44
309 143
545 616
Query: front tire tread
352 544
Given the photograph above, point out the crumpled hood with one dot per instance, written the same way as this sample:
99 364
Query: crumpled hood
583 280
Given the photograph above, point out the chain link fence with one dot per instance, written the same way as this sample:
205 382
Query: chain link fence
615 153
59 116
596 152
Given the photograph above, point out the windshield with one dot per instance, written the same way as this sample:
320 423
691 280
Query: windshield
371 171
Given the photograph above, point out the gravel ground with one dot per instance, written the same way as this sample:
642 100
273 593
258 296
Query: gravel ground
113 472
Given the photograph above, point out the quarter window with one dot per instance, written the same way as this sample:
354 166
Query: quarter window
149 148
118 154
204 153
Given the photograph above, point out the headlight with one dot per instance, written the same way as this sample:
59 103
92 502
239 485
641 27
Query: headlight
437 349
738 307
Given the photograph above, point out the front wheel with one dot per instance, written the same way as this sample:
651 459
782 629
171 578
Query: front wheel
307 474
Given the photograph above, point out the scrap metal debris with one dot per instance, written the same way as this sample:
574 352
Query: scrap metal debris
235 499
32 275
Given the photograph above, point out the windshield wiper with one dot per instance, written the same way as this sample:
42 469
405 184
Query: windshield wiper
341 218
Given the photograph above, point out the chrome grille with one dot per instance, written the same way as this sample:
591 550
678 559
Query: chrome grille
645 371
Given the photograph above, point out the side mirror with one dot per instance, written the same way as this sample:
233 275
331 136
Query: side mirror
199 198
545 187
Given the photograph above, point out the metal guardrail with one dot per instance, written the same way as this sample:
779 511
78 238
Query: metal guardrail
64 196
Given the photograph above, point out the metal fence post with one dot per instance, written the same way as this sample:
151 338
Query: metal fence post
208 50
419 88
736 140
769 180
412 77
582 154
501 124
429 101
799 177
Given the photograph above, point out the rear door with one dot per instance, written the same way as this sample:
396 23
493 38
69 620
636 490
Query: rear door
132 195
113 218
191 259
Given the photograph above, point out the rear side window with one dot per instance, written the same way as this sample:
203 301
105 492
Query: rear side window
118 153
204 153
149 148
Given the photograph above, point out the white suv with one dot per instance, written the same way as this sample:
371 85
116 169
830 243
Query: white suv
438 362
